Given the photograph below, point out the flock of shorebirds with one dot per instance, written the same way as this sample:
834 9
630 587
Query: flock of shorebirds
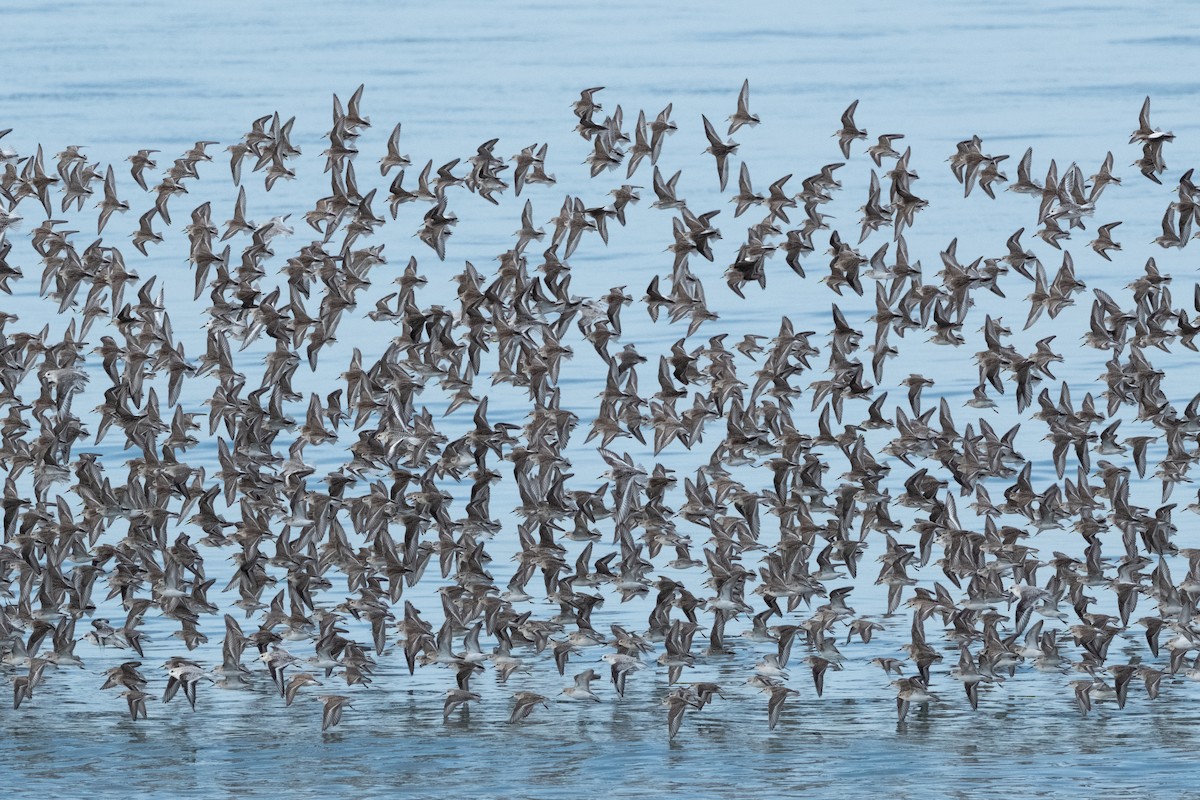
776 544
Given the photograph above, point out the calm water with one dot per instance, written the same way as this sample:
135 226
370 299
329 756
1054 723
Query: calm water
1066 80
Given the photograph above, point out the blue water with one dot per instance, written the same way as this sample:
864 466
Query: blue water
1067 80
